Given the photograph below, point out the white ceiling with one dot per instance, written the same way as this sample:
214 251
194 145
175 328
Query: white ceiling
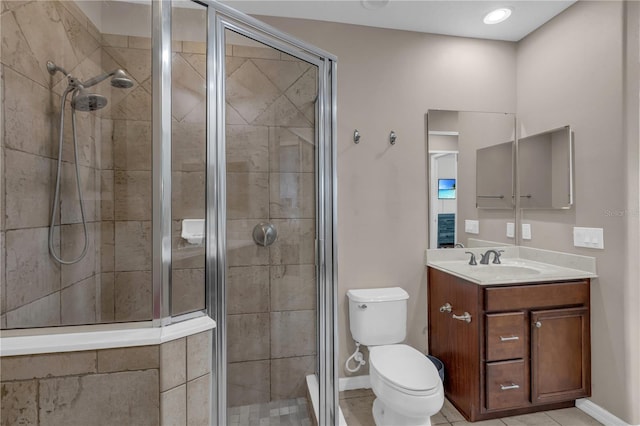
449 17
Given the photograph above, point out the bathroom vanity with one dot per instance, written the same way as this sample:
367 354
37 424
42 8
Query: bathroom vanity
512 340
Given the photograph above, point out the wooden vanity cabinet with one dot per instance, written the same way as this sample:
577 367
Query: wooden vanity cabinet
526 348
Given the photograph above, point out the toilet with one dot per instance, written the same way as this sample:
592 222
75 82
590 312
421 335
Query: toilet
405 382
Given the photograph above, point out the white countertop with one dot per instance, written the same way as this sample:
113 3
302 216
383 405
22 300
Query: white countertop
518 265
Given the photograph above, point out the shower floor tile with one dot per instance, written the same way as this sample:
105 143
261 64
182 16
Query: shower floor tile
286 412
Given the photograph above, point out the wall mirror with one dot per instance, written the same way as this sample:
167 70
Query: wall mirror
494 176
453 141
545 170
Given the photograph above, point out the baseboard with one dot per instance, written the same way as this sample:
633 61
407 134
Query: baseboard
355 382
599 413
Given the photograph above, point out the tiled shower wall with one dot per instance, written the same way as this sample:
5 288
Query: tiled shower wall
165 385
270 178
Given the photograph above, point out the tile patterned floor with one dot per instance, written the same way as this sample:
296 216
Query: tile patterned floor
356 407
287 412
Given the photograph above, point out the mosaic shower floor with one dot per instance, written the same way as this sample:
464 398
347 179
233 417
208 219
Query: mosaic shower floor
286 412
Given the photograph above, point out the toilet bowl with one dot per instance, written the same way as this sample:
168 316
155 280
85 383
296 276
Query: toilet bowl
407 386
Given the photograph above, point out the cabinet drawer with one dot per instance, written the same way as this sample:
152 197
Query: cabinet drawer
507 384
505 336
536 296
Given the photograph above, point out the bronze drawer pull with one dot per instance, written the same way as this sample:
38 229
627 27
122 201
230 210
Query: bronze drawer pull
509 387
508 339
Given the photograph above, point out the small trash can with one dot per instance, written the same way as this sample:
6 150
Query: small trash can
439 366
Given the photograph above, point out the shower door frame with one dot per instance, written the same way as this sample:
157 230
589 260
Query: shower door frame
221 18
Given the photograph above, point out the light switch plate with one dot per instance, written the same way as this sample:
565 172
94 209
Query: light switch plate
511 230
526 231
472 226
588 237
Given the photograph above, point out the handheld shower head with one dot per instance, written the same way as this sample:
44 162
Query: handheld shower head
120 80
85 101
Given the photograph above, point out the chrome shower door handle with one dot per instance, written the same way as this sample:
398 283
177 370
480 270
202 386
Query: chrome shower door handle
466 317
264 234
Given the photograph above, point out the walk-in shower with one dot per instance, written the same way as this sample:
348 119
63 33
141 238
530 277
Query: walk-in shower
81 100
212 123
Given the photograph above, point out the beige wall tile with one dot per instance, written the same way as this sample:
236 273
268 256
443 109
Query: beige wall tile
292 195
250 92
72 244
255 52
241 249
247 195
249 383
198 407
69 199
247 289
198 355
135 106
132 246
132 145
188 147
247 337
78 302
198 62
282 73
107 297
106 144
173 364
173 406
107 246
115 40
127 359
106 195
19 403
48 365
101 399
282 112
291 149
293 333
41 18
133 298
188 88
293 287
16 52
188 195
28 190
43 312
232 116
295 244
139 42
132 195
288 376
247 148
304 91
82 42
194 47
232 63
31 272
187 290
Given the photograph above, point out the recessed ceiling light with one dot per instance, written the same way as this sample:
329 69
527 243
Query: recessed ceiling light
497 16
374 4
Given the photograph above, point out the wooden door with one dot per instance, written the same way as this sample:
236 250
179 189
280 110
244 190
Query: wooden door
560 355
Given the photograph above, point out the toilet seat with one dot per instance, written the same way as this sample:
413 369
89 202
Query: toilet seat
405 369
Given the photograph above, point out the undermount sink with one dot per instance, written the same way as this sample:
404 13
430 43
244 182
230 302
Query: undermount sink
501 270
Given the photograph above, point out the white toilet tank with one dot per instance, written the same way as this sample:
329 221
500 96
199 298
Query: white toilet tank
378 316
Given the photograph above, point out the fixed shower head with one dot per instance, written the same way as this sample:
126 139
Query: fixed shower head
120 80
84 101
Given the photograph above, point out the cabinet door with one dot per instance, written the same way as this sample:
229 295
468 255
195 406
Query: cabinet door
560 356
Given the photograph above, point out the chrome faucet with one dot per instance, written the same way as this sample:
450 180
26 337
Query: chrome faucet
484 259
458 245
472 261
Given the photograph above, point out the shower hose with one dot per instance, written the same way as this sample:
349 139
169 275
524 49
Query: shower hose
56 197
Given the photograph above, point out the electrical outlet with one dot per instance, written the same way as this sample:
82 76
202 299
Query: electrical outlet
588 237
511 230
472 226
526 231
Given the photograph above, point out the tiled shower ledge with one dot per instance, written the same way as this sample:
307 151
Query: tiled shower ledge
84 338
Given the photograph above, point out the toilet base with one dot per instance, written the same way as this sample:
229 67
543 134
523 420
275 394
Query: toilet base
383 416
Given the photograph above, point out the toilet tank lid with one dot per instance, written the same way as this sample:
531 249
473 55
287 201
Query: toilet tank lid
377 294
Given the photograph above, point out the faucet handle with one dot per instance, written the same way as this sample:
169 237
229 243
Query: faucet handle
472 261
496 258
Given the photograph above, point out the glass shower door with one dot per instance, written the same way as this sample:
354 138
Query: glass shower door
270 232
